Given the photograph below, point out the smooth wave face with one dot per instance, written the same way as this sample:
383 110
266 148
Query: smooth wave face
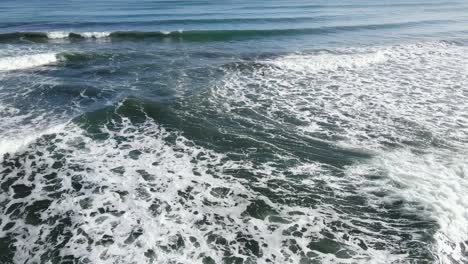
242 132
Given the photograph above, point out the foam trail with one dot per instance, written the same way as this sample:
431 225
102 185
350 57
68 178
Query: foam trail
27 61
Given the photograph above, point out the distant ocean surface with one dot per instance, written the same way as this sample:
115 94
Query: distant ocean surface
233 131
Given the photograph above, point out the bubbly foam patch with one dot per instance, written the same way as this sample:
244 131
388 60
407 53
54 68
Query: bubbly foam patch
434 183
390 101
415 94
124 189
136 193
27 61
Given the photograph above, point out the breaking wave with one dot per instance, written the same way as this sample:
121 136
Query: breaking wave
27 61
204 35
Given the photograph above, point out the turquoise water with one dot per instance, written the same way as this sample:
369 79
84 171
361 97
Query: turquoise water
233 131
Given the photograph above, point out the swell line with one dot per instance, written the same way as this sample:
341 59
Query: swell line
204 35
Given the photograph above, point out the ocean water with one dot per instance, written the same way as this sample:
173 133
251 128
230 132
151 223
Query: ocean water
233 131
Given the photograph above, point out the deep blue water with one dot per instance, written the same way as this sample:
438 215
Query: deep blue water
233 131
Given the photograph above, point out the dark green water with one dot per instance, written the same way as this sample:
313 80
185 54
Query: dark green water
233 132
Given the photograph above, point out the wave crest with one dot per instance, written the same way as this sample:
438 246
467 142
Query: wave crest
209 35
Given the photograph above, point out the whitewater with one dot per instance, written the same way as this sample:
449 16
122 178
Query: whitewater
242 132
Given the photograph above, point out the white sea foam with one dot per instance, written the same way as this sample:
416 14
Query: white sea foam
146 200
150 194
65 34
407 97
12 144
95 34
57 34
27 61
328 62
18 129
433 184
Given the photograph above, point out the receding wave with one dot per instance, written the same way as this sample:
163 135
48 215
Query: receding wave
205 35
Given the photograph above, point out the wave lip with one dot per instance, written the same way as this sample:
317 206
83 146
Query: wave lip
27 61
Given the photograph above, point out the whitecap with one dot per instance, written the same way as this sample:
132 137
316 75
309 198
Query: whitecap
66 34
27 61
